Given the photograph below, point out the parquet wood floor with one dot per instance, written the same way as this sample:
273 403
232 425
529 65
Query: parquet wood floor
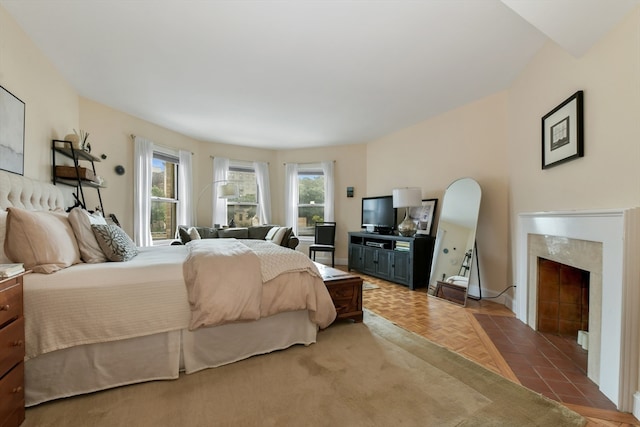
457 329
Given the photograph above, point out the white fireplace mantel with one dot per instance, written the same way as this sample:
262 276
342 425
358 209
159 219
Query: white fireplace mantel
619 232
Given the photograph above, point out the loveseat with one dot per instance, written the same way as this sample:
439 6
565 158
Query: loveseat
281 235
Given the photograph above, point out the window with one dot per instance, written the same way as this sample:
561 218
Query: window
164 196
243 209
311 198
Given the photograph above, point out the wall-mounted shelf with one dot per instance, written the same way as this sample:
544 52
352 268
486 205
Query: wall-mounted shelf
77 179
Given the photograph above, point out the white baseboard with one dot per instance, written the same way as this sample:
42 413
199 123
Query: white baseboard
636 405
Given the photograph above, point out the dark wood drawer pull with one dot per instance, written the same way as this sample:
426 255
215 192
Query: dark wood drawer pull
17 389
18 343
5 307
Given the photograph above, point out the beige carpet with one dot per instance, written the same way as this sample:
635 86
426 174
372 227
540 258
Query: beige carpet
366 374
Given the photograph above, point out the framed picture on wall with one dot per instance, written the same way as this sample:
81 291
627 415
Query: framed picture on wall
562 132
11 132
423 215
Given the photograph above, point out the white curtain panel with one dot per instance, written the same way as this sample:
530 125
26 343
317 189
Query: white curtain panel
291 196
264 191
327 169
219 206
143 156
185 214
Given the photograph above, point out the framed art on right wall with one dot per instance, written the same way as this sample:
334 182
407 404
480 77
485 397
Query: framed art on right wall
562 132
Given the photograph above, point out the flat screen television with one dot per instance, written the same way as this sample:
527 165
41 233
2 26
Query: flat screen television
378 214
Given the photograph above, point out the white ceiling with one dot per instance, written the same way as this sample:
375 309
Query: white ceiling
296 73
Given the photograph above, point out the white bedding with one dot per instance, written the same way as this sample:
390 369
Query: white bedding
84 304
90 327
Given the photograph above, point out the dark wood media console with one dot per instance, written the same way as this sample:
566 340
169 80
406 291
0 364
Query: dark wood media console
404 260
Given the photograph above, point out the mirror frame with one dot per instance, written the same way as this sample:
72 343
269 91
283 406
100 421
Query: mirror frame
456 200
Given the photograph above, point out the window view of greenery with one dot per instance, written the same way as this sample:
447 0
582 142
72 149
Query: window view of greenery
310 201
163 199
243 209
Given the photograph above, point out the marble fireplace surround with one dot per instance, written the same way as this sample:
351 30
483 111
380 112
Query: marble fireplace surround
607 244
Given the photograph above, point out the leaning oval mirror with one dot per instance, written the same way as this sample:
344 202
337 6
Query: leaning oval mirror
454 248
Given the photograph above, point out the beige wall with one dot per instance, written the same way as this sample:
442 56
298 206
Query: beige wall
608 175
51 104
495 140
110 134
470 141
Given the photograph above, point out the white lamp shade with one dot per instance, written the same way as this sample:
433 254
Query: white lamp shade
407 197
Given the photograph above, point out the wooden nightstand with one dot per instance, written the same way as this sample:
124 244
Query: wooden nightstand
11 352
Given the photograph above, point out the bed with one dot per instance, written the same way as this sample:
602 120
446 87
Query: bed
94 326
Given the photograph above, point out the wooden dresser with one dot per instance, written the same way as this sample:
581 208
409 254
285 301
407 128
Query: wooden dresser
11 352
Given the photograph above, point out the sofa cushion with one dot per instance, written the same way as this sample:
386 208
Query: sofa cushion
238 233
259 231
207 232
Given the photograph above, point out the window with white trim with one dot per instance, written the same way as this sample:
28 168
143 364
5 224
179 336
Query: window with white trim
311 197
243 210
164 195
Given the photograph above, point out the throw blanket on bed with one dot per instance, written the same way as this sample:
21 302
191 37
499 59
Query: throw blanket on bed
229 280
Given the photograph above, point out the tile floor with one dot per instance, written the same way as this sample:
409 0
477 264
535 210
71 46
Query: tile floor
546 363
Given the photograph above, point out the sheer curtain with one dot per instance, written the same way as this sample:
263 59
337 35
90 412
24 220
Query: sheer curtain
142 158
264 191
219 206
291 196
185 214
327 170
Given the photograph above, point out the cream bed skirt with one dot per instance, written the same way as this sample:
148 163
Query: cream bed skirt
93 367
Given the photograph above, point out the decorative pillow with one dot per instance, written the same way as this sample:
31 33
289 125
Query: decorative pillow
193 233
183 232
285 237
43 241
81 222
271 233
114 242
279 234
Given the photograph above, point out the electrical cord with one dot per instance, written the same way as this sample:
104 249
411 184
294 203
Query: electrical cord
506 289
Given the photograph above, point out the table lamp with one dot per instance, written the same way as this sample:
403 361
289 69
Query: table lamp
407 198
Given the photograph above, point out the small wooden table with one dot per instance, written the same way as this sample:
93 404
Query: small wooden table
345 290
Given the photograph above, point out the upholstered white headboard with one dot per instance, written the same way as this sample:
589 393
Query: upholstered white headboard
16 190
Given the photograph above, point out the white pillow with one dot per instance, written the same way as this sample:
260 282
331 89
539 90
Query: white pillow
3 231
279 234
43 241
193 233
81 222
271 233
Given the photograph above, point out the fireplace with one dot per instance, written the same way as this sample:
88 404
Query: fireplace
563 299
606 244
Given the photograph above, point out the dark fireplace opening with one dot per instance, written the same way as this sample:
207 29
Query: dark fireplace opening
563 308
